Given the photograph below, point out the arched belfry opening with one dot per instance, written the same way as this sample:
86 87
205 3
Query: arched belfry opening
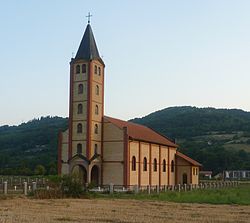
95 175
80 172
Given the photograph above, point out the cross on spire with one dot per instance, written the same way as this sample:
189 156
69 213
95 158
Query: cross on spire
88 16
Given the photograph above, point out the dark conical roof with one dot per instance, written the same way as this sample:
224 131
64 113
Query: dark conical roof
88 49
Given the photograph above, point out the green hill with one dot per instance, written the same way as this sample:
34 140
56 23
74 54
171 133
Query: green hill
218 138
29 144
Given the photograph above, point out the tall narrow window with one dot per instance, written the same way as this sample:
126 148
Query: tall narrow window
172 166
79 128
79 109
96 110
79 148
164 166
133 163
95 69
145 165
80 89
155 165
96 148
99 71
78 69
96 129
193 171
97 90
84 68
196 171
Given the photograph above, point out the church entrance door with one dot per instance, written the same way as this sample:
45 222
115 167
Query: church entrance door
81 173
184 178
95 175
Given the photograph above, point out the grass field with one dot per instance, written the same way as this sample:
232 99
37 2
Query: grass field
238 195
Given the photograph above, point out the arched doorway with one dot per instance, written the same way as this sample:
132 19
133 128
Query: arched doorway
95 175
184 178
81 173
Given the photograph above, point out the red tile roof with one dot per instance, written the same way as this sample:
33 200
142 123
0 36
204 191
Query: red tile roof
188 159
140 132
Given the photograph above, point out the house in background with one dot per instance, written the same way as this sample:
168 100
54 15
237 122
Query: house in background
106 150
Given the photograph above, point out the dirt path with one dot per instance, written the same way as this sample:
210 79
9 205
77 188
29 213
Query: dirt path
68 210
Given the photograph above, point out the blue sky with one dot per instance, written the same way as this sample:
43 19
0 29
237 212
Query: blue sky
157 54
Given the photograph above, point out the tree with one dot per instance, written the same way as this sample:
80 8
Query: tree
40 170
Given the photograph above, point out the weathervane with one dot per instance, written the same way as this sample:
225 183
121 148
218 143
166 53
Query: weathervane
88 16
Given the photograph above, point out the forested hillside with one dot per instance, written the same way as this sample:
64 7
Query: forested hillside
218 138
34 143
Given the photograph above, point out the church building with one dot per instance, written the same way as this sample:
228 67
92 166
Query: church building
104 150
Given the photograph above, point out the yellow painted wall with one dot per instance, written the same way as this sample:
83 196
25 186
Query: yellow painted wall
195 175
79 136
113 173
144 174
111 132
80 97
113 157
134 151
164 175
155 155
183 167
172 152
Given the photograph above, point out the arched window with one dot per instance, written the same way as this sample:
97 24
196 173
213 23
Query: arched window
145 165
133 163
96 148
164 166
99 71
96 110
79 148
155 165
80 89
97 90
78 69
79 109
96 129
95 69
79 128
172 166
84 68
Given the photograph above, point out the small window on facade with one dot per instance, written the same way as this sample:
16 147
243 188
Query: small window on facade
96 148
80 89
84 68
145 165
196 171
164 166
133 163
79 128
78 69
95 69
155 165
172 166
79 148
96 110
99 71
79 109
96 129
97 90
193 171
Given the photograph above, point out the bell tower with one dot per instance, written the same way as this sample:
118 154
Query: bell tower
86 106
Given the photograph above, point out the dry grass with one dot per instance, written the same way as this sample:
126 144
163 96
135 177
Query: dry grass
98 210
